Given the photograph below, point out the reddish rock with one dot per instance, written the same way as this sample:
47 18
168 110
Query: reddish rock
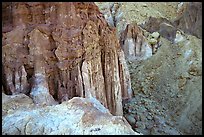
7 21
66 48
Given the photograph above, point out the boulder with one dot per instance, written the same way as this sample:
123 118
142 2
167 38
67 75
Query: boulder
78 116
12 103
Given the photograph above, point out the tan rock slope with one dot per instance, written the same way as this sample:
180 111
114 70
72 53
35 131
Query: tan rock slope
167 84
174 80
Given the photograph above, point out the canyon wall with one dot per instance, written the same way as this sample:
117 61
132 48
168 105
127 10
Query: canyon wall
57 51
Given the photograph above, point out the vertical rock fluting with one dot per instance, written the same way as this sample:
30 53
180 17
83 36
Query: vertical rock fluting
64 50
190 21
134 43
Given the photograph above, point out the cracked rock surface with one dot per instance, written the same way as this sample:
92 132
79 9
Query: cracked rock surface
78 116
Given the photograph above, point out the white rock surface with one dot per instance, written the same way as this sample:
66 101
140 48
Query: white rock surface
78 116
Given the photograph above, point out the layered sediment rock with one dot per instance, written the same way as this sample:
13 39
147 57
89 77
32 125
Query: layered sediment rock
78 116
66 48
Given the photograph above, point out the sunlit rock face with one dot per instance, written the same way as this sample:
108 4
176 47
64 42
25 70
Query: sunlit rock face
57 51
78 116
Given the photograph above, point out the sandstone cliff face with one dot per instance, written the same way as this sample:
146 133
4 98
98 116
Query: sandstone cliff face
62 50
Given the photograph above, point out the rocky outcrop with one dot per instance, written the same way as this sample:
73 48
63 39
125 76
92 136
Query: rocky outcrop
13 103
129 18
190 21
164 18
165 27
62 50
134 43
132 39
78 116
